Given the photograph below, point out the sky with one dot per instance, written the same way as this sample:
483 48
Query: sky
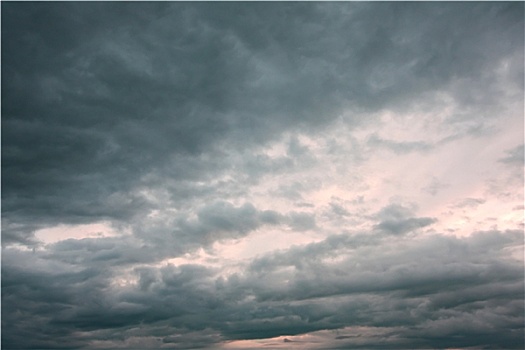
262 175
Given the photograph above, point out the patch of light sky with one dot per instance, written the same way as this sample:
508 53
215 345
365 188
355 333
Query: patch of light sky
357 169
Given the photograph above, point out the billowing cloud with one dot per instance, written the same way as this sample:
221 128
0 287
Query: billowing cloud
427 285
250 175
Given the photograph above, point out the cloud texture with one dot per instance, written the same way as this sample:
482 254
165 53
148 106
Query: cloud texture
253 175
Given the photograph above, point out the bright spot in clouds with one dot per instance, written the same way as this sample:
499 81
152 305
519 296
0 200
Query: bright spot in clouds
61 232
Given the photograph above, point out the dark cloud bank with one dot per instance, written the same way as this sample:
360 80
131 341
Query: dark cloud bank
436 292
103 102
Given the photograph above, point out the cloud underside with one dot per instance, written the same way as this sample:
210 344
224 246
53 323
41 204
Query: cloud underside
311 175
435 291
97 105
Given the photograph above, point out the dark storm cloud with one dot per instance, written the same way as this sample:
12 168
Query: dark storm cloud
431 278
153 116
97 97
18 233
436 291
317 277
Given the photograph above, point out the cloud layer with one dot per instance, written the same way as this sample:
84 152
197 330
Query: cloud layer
250 175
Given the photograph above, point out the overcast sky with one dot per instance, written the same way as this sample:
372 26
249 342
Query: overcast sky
262 175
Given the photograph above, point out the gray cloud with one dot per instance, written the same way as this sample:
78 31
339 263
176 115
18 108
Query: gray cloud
156 240
434 186
217 221
469 203
155 118
399 147
107 100
432 288
396 219
338 209
514 156
405 225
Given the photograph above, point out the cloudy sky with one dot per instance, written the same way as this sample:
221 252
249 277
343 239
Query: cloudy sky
262 175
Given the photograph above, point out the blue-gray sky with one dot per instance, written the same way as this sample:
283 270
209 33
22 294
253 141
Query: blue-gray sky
262 175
